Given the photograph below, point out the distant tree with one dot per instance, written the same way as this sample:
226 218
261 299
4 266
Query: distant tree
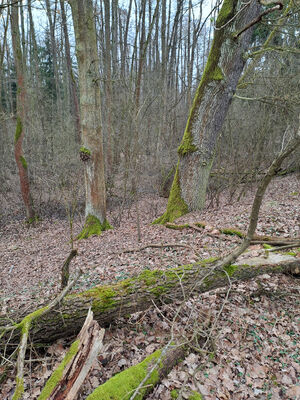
91 151
20 65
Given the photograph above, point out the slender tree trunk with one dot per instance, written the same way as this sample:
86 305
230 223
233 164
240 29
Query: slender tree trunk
219 80
90 104
108 89
72 84
21 113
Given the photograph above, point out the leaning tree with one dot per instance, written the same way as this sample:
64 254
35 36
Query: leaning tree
224 66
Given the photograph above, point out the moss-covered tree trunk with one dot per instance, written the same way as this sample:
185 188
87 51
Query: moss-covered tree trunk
21 112
212 99
91 151
114 301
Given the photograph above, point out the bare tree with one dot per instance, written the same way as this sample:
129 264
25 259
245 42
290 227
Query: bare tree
89 87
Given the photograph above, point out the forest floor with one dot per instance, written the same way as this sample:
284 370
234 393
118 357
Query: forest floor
252 351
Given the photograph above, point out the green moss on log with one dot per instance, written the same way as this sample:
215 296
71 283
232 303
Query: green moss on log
176 205
267 246
93 226
25 324
19 129
58 373
233 232
104 295
123 385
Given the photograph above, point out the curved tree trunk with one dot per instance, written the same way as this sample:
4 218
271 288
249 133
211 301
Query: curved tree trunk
111 302
219 80
91 131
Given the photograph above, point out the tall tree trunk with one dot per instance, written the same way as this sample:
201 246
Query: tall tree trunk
89 87
108 89
219 80
21 113
72 84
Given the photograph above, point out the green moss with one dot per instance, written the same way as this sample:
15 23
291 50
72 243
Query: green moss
178 227
93 226
195 396
233 232
212 70
291 253
218 74
186 145
57 374
19 389
230 269
24 162
267 246
176 205
123 385
150 277
104 297
25 324
226 12
19 129
174 394
84 150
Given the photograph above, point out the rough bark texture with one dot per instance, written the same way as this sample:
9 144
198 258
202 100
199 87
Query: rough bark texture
111 302
214 94
90 105
21 113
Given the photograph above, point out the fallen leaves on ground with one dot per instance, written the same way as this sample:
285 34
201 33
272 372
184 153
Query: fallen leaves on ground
252 351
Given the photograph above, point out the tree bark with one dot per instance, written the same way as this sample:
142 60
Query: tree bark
219 80
111 302
90 105
21 113
72 84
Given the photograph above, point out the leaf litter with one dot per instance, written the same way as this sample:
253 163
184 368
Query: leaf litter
252 351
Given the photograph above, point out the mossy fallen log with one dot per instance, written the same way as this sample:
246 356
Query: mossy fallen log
110 302
141 377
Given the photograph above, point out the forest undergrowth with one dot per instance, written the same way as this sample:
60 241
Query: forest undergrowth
252 344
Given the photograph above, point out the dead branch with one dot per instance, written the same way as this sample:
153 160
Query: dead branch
278 6
65 271
24 326
75 366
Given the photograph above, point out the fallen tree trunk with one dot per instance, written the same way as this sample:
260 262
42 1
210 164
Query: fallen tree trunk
121 299
139 380
256 239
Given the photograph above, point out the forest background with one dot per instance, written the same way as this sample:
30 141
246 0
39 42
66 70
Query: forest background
151 62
